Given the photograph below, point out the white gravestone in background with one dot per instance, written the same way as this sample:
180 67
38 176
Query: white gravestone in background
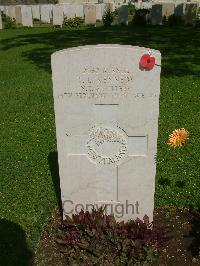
90 14
6 11
78 9
36 11
99 13
27 18
45 13
168 9
1 24
101 10
11 12
58 15
24 15
106 111
69 11
18 15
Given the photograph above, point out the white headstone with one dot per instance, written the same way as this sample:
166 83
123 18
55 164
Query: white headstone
101 10
99 14
106 111
18 15
2 8
168 9
58 15
36 11
6 10
90 14
69 11
123 15
45 13
27 18
11 12
78 11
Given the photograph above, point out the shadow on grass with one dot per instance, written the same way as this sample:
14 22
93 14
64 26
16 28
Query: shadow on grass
53 166
163 181
13 247
179 46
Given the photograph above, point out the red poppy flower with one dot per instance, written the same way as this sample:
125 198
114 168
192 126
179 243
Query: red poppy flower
147 61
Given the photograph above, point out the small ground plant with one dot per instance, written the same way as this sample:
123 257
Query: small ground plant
93 238
108 18
73 22
139 18
8 23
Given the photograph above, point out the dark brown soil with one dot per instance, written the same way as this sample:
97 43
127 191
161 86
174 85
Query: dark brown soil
180 228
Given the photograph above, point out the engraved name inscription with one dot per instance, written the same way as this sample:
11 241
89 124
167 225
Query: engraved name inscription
102 141
99 83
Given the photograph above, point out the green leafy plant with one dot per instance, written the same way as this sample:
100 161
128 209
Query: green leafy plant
97 239
108 18
73 22
8 23
131 9
140 17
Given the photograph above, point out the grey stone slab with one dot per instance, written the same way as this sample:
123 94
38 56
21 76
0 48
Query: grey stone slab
123 15
156 14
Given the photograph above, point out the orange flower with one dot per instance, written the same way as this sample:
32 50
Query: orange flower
178 137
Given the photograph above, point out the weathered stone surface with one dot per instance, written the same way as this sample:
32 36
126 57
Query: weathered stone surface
11 12
27 18
58 15
23 16
90 14
101 10
18 15
106 111
36 11
45 13
168 9
73 10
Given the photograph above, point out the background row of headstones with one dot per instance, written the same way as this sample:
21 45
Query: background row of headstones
25 15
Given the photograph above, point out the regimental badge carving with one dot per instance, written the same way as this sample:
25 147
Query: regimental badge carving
106 145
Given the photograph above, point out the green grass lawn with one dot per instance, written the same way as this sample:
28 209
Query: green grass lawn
29 184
